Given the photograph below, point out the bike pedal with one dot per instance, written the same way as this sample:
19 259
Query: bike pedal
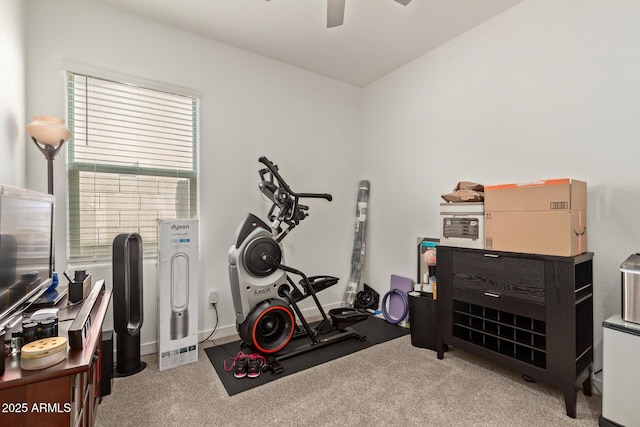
276 368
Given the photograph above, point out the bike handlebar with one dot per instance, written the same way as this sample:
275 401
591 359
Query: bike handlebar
274 171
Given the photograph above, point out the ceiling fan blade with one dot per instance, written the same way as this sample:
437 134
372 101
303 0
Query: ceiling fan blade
403 2
335 13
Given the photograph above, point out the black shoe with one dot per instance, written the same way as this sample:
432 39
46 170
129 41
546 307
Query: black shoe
255 365
240 365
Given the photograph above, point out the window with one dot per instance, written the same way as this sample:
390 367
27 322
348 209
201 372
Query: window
132 161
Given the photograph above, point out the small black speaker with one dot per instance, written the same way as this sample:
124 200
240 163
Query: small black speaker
106 349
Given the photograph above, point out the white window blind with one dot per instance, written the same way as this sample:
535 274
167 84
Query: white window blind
132 161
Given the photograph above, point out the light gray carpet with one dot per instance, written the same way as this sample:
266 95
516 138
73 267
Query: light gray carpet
392 383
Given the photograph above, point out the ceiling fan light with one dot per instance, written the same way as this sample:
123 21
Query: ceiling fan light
335 11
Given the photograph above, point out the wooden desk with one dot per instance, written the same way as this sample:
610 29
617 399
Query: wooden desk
65 394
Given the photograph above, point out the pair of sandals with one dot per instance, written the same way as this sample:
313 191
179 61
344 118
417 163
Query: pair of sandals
246 365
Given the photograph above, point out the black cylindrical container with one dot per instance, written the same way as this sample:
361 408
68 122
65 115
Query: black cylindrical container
29 332
49 328
79 275
422 315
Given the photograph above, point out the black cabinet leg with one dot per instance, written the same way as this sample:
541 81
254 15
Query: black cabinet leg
570 400
439 346
586 385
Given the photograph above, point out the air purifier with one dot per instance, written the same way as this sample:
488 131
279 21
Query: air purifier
127 302
179 322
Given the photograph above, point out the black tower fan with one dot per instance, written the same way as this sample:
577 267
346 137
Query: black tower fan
127 302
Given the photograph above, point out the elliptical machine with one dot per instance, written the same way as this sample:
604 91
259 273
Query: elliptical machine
265 298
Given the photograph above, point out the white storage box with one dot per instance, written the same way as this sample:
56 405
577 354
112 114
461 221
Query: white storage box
462 225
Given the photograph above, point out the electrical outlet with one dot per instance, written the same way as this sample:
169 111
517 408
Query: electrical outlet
213 297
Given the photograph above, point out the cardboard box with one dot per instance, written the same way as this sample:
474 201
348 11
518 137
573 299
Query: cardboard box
545 217
178 284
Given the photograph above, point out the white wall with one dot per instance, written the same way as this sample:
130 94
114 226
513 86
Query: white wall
13 138
547 89
250 106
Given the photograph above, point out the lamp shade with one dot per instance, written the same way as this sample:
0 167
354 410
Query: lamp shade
48 130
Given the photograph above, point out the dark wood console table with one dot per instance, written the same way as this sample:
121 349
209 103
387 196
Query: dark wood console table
530 313
65 394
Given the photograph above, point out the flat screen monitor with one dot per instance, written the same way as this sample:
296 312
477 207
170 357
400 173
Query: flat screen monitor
26 248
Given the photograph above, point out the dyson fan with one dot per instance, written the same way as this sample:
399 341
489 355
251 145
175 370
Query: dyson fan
127 302
179 296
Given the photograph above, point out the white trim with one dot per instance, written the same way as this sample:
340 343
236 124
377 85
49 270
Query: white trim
596 386
79 68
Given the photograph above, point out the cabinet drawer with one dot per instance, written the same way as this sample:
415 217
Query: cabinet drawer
499 276
502 303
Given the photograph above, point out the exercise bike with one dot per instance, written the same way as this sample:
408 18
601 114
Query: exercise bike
265 297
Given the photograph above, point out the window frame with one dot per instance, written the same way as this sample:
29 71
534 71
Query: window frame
74 168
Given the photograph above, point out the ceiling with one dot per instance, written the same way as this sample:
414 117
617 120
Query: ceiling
377 37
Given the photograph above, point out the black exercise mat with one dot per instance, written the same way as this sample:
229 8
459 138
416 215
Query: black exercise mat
375 329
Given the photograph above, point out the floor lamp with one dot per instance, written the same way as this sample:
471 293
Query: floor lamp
49 134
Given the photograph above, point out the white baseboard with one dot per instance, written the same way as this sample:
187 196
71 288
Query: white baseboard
596 385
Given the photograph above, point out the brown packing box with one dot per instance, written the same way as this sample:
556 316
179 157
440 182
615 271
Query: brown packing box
545 217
